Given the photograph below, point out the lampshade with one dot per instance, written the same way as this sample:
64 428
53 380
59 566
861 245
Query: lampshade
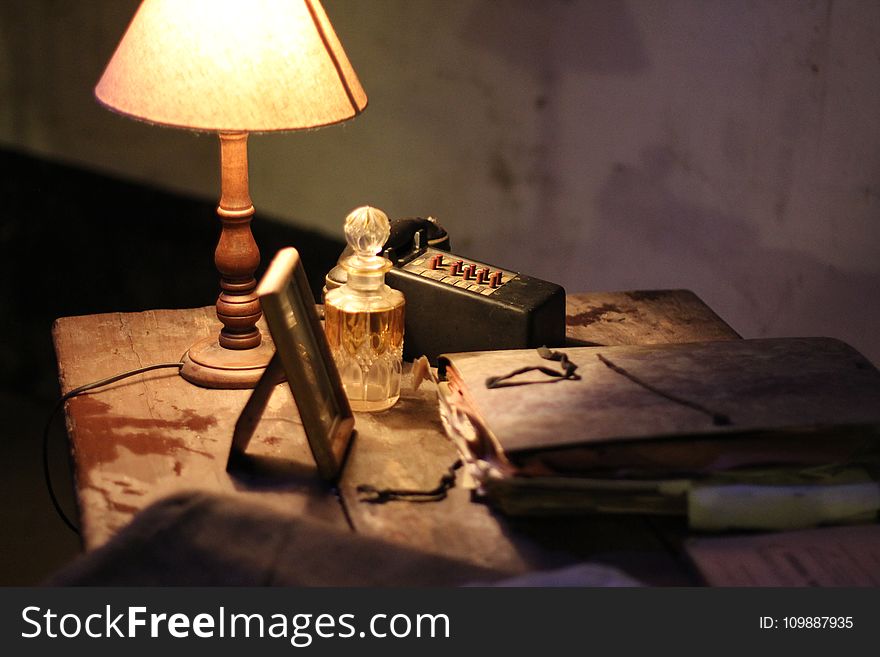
232 65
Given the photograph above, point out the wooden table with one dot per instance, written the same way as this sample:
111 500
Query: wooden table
155 434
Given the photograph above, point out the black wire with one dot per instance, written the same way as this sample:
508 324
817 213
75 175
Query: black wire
568 371
68 395
372 495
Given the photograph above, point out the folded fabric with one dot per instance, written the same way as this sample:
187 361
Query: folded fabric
202 539
579 575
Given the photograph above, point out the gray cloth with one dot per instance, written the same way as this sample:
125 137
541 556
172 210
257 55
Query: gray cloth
201 539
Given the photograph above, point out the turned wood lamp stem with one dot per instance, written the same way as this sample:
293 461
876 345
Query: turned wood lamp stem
237 255
239 354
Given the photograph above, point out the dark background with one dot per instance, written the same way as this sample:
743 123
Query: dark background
59 223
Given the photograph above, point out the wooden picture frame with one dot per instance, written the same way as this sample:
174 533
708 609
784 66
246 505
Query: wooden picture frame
303 356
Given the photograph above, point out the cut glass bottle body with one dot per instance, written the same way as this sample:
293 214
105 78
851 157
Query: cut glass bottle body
366 340
363 318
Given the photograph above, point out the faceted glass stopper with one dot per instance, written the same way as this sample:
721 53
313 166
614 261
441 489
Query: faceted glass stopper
366 231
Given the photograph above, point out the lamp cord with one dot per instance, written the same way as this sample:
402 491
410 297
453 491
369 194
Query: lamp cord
60 403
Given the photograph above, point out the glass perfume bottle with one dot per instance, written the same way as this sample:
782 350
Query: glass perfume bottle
363 318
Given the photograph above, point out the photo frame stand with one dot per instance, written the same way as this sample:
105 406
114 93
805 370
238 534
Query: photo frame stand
302 357
252 412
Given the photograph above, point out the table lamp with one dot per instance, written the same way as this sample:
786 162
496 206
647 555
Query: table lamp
232 67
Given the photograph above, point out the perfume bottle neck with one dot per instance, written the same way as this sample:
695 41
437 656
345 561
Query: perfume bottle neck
366 282
366 275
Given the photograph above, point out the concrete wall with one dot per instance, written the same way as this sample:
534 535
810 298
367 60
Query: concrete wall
729 147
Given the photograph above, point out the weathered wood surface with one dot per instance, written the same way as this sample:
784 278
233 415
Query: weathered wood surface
146 437
154 434
642 317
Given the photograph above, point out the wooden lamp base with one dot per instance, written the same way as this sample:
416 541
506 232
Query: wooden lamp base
209 365
238 356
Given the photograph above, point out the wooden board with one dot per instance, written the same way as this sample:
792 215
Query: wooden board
642 317
155 434
149 436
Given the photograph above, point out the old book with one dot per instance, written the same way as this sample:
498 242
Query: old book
638 427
